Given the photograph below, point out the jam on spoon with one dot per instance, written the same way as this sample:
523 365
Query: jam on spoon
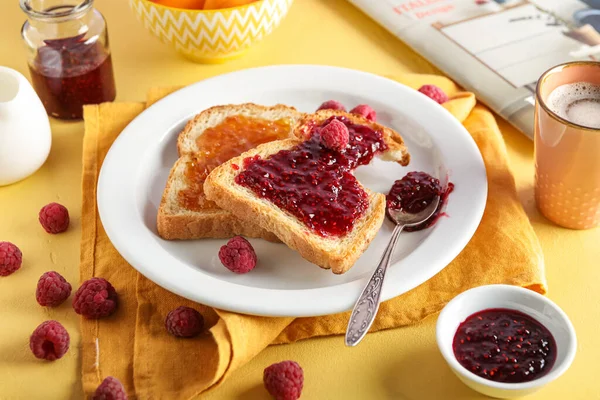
504 345
414 192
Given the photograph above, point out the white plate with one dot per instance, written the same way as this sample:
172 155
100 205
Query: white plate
135 170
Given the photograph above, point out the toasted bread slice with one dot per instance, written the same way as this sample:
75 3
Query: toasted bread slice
177 222
335 253
211 117
203 218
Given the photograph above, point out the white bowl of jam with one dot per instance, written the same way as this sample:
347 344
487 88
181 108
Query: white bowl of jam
505 341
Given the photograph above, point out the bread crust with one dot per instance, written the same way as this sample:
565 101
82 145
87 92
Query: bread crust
336 253
215 224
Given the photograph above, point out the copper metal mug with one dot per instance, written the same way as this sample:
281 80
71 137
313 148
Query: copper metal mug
567 155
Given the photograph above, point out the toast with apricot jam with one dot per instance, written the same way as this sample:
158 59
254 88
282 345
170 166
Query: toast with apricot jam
210 138
306 194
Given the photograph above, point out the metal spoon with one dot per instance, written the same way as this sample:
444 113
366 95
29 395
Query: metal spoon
366 307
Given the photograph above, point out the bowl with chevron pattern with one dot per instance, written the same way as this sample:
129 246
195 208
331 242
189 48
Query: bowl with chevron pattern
211 36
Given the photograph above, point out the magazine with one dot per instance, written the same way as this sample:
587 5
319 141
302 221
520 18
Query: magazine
495 48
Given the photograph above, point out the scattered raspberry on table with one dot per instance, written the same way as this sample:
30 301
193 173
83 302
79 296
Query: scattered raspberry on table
365 111
11 258
332 105
238 255
54 218
110 389
52 289
96 298
434 93
335 135
50 341
284 380
184 322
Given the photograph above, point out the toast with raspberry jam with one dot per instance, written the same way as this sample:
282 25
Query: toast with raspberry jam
210 138
306 193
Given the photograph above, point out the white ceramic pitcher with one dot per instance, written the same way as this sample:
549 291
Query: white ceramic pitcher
25 136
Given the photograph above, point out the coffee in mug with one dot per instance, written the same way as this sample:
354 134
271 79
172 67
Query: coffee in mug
577 102
567 144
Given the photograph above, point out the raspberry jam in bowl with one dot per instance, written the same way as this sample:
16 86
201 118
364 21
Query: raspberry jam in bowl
505 341
504 345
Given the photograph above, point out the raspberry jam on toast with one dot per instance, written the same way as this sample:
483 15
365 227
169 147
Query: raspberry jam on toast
314 183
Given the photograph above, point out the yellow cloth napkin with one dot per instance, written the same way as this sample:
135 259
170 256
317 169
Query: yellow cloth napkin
133 345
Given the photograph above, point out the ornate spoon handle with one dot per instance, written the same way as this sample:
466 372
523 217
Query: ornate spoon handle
366 307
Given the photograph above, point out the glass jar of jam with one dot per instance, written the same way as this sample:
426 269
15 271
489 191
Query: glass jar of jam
68 55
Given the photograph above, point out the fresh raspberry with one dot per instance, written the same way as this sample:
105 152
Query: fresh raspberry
284 380
365 111
332 105
52 289
434 92
10 258
335 135
110 389
238 255
50 341
54 218
95 298
184 322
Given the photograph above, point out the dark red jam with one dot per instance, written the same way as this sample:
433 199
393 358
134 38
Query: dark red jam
314 183
504 346
68 73
414 193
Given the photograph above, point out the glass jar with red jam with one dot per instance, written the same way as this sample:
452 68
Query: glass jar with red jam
68 55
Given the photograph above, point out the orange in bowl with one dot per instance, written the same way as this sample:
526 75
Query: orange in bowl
183 4
210 35
217 4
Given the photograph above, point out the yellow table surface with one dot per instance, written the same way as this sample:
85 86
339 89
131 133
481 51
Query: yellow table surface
395 364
